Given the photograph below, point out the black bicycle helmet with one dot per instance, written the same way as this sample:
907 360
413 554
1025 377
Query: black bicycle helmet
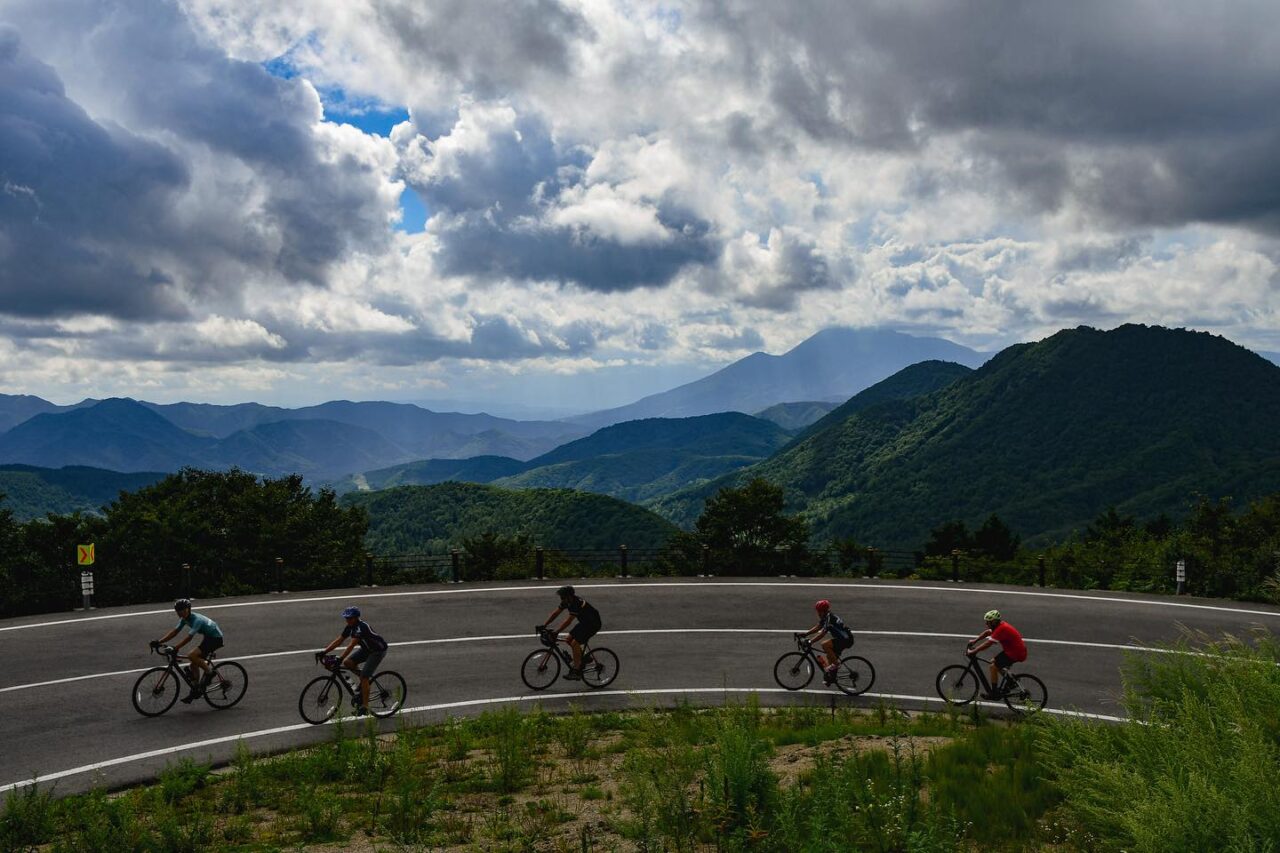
182 604
565 591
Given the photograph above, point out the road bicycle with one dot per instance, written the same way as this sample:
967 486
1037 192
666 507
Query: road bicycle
322 696
794 670
1023 693
157 689
542 666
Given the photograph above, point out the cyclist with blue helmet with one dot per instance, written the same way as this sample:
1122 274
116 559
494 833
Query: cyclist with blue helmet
366 647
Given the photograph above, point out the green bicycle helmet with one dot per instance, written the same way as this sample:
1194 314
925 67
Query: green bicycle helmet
992 616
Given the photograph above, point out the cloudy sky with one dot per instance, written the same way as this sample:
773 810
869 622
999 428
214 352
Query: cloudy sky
577 202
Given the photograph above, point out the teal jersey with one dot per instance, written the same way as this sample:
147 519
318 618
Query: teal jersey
197 624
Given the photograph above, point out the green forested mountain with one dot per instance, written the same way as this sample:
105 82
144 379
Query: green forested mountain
640 460
31 492
1047 435
795 416
428 472
432 518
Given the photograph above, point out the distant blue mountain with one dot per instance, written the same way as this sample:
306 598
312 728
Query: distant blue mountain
832 366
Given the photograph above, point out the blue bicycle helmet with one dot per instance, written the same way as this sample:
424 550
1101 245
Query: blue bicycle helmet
351 611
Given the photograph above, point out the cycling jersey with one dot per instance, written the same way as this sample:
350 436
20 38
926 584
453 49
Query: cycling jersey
197 624
1010 641
369 641
587 615
834 625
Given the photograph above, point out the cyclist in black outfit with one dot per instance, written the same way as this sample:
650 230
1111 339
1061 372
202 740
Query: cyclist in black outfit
588 625
372 649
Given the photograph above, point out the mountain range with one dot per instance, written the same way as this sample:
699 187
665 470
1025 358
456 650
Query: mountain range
830 366
1047 435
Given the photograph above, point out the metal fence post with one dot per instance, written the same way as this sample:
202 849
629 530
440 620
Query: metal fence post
1040 566
538 563
279 574
955 566
873 569
455 563
622 559
368 570
706 561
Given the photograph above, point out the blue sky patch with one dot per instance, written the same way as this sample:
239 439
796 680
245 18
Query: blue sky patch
413 218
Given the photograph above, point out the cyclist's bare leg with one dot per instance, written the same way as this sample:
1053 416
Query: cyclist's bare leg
996 674
577 653
198 664
832 659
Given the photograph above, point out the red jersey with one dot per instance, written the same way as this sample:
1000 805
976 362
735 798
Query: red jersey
1010 641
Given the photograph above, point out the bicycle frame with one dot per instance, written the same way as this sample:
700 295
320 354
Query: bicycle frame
564 651
176 669
982 676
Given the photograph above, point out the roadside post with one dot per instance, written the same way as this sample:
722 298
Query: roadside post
538 565
955 566
455 564
1180 573
185 580
279 575
368 570
85 558
1040 564
622 559
706 562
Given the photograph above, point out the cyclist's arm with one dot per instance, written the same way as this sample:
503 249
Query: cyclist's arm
988 644
169 636
332 645
566 623
554 614
185 640
350 648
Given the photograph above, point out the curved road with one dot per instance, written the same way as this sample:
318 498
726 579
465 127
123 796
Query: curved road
65 691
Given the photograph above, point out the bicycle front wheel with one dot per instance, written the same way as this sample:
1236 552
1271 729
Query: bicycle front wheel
957 685
386 693
155 691
228 685
855 675
793 670
1028 696
540 669
320 699
600 669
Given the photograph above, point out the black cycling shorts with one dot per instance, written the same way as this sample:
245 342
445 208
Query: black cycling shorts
209 645
1004 661
584 631
841 643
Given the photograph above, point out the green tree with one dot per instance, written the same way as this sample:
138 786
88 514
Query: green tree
948 537
995 540
746 530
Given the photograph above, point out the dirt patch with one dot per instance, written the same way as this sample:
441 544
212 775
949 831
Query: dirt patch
792 761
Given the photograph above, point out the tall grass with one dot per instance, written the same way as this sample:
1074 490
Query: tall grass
1196 766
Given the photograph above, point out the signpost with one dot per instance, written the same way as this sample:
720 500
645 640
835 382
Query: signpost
84 557
1181 576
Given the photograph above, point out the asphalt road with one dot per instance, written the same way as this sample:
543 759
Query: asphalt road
64 693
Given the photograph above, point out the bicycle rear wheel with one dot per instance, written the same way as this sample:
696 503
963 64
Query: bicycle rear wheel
228 685
320 699
540 669
155 691
1028 695
600 669
793 670
386 693
957 685
855 675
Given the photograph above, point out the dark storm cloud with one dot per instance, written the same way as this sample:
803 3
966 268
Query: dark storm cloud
77 202
1149 113
487 46
493 205
101 209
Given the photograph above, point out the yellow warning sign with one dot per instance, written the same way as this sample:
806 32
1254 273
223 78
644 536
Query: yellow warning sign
84 554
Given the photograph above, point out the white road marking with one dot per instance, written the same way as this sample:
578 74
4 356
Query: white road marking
497 637
460 590
471 703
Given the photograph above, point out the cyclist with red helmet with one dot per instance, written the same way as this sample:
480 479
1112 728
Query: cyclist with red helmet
838 638
1012 648
372 648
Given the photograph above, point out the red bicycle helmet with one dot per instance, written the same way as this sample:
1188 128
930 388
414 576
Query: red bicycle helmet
822 606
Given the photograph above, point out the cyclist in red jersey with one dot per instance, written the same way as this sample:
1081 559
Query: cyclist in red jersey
1012 649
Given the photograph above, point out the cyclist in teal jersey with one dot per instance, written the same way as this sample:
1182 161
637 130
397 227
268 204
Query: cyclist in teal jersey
210 641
